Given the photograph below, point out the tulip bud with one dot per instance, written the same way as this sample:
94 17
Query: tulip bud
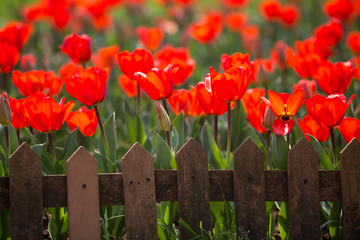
269 118
164 119
5 110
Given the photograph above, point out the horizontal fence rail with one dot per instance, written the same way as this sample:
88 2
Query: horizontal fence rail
139 187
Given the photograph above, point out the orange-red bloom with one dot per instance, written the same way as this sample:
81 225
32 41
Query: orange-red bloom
186 101
270 9
308 87
236 21
178 57
330 33
105 57
37 81
312 45
84 119
78 48
150 38
284 14
341 9
262 69
252 98
256 115
289 15
306 66
327 111
353 41
27 62
44 114
309 126
9 56
158 84
228 86
16 33
140 60
238 60
207 29
334 78
89 87
350 128
280 54
18 118
233 3
284 106
128 85
70 69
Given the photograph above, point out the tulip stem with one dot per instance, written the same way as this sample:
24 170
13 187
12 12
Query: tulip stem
166 109
18 136
333 145
216 127
228 136
288 139
102 130
268 134
31 130
7 142
184 128
52 148
168 139
138 112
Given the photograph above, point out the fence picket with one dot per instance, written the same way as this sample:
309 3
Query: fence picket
249 190
139 194
83 195
304 210
193 187
25 194
350 189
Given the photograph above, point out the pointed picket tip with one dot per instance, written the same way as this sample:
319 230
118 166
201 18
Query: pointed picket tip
353 147
302 147
83 155
192 146
137 150
248 146
25 149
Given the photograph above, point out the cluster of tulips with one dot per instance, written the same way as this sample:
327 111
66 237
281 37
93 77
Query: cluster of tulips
240 84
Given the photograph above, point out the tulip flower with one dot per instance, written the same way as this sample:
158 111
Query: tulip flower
18 118
330 33
262 69
9 56
353 42
178 57
5 119
306 66
270 10
233 3
289 15
78 48
238 60
27 62
150 38
129 86
312 46
105 57
186 101
70 69
16 33
256 116
350 128
84 119
207 29
341 9
236 21
284 106
309 126
280 54
334 78
252 98
308 87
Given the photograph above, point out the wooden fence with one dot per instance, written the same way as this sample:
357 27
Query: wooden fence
26 192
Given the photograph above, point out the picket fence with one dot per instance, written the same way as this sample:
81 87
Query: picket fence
26 192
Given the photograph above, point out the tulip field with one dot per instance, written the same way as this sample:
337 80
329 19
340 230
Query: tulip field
107 74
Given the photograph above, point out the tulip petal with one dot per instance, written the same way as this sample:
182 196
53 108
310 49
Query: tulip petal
281 127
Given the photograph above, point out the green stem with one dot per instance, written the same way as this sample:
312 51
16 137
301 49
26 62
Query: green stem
267 148
166 109
184 128
102 130
333 145
216 127
138 112
7 142
168 139
288 139
52 148
228 136
18 137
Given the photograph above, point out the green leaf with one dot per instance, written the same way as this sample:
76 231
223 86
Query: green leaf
335 216
269 206
110 130
133 122
5 223
2 172
116 224
187 227
33 139
283 220
178 123
3 158
324 158
174 140
215 158
164 155
171 213
223 213
255 137
104 164
62 228
47 165
280 150
69 149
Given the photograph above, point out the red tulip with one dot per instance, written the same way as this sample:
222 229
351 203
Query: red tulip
9 56
150 38
105 57
309 126
44 114
312 45
353 41
208 102
341 9
158 84
236 21
330 33
18 118
184 100
128 85
84 119
306 66
289 15
89 87
256 117
207 29
27 62
139 60
350 128
228 86
308 87
78 48
178 57
233 3
70 69
270 9
280 54
334 78
284 106
328 111
238 60
16 33
262 69
251 40
252 98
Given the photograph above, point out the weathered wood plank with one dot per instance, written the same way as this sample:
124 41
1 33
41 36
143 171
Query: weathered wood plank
193 188
139 194
83 196
25 194
303 182
350 189
249 190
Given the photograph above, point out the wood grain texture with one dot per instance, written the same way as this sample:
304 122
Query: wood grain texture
139 194
25 184
350 189
83 196
303 182
249 190
193 187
